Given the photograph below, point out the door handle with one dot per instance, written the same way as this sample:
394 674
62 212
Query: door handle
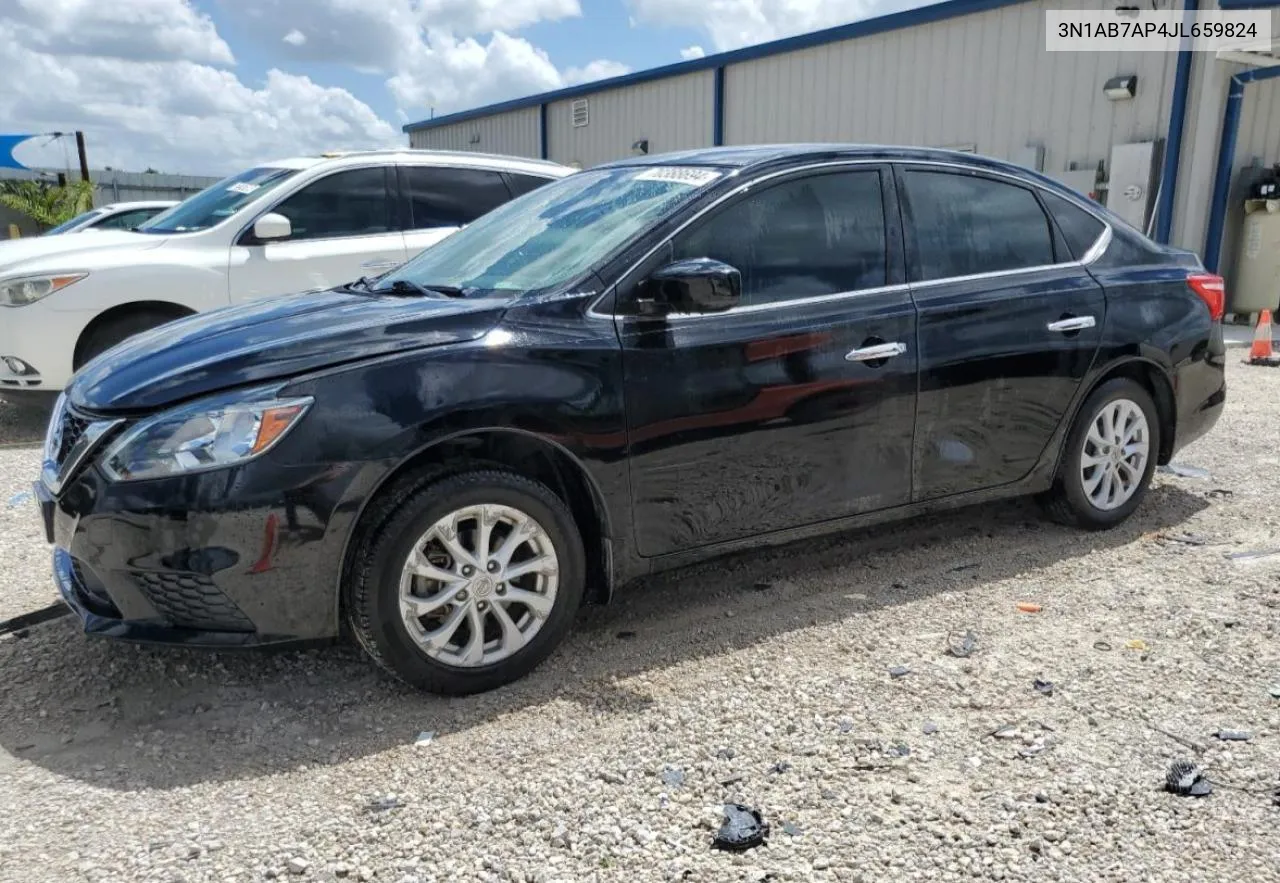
874 353
1075 323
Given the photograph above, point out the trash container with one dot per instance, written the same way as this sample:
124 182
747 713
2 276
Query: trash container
1257 278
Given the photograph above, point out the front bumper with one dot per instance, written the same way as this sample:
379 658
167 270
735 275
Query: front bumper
43 341
236 558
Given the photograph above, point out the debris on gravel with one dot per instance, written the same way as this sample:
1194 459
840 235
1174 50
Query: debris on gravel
743 828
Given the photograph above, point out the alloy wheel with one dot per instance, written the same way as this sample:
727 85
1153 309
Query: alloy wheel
1114 459
478 585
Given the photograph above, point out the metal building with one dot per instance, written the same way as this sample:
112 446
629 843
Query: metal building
1170 146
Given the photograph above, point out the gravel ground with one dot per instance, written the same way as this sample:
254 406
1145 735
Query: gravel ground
763 679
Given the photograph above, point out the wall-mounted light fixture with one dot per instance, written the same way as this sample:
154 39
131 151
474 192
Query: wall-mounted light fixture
640 147
1121 88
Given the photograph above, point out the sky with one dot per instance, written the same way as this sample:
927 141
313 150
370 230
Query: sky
208 87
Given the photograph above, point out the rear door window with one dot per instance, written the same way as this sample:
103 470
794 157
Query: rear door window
967 224
451 197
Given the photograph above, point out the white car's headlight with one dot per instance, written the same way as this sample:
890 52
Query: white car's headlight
201 437
22 290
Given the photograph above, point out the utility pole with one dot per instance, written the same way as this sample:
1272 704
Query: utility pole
84 159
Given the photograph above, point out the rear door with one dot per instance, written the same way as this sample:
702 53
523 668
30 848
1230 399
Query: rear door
1010 322
440 199
795 407
344 227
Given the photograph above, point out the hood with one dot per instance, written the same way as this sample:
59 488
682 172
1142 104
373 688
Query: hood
271 340
73 251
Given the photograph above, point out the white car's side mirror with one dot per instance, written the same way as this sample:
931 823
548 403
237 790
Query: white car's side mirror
272 226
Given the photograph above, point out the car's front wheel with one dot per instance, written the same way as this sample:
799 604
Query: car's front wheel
1109 458
470 582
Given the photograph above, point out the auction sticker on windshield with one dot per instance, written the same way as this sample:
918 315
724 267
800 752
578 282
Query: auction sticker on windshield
243 187
679 175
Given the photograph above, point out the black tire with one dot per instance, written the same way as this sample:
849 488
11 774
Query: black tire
117 330
1067 502
373 607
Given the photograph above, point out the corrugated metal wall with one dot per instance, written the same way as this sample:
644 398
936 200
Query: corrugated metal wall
673 114
982 80
516 133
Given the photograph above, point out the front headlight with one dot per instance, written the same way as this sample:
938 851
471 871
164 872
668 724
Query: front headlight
199 438
23 290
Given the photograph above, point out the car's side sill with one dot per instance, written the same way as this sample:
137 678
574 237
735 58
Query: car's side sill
1033 483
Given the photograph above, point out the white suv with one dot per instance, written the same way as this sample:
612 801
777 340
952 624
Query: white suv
296 225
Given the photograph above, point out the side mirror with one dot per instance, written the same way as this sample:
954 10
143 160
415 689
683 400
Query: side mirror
695 285
271 227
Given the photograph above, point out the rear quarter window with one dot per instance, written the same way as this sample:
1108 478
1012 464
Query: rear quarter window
1080 228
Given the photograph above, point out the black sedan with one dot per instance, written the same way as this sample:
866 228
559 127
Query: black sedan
638 366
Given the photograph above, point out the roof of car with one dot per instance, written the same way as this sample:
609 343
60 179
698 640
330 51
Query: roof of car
757 154
427 157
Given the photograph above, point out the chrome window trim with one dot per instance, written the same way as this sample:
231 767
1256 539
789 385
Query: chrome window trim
1096 251
1099 247
798 301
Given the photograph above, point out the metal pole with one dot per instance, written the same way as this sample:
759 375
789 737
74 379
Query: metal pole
84 158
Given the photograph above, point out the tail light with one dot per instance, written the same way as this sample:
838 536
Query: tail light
1209 287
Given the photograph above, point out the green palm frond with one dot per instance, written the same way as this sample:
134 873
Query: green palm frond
46 204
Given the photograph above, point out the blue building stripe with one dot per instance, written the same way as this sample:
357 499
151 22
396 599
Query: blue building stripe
1173 145
717 126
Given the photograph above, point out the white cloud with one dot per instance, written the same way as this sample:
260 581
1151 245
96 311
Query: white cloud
149 81
594 70
176 116
450 74
734 23
143 30
472 17
443 54
692 52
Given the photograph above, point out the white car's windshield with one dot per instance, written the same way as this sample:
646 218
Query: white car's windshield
218 202
554 233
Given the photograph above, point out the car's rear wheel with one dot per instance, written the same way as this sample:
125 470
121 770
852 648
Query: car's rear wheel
472 581
1109 458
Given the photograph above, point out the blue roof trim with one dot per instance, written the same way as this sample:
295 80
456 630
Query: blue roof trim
1247 4
864 28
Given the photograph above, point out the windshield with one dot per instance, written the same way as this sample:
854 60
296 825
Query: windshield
218 202
74 222
554 233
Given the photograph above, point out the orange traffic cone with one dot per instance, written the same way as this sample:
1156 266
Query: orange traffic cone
1262 351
